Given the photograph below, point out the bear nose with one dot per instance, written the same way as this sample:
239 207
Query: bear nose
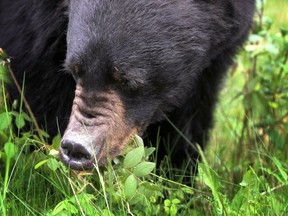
75 155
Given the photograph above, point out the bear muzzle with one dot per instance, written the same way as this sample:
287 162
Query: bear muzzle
97 130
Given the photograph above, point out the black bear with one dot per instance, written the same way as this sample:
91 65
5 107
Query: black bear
104 70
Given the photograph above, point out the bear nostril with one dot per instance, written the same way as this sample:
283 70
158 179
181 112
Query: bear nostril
74 151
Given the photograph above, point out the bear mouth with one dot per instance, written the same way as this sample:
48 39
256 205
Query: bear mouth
76 164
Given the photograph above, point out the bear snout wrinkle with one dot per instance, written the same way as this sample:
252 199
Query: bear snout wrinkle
97 128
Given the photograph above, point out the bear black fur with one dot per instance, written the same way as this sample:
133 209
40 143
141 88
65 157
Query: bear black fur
135 64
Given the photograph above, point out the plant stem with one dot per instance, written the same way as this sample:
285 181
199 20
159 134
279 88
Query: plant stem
26 104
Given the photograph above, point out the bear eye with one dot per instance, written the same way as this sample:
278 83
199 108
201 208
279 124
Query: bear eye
117 76
129 81
75 70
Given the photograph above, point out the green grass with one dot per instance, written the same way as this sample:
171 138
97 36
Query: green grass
243 171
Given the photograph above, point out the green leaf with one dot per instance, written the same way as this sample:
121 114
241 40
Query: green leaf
52 164
130 186
85 201
56 141
167 202
10 150
209 177
62 206
149 151
41 163
19 121
26 116
187 190
212 180
167 210
5 120
134 157
144 168
138 140
248 192
175 201
151 186
173 210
